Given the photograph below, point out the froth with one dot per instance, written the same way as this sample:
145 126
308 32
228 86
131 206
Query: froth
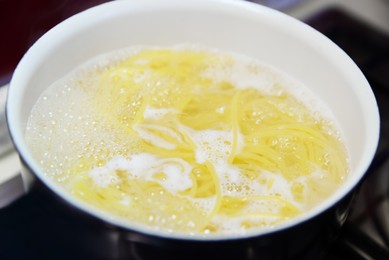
172 173
157 113
214 145
246 73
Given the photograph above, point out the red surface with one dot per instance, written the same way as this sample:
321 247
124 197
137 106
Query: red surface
22 22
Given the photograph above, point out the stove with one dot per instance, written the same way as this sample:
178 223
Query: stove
366 233
31 228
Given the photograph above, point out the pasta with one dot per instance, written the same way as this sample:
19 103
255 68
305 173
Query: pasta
196 150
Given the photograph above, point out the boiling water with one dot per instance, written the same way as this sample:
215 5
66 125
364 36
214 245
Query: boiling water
188 140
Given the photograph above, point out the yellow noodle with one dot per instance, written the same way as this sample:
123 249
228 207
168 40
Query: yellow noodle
257 159
235 125
217 190
140 112
194 188
280 136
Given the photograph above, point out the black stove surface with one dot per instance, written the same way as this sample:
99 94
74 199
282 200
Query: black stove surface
366 233
34 229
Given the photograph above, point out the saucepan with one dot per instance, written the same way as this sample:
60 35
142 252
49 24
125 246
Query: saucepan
236 26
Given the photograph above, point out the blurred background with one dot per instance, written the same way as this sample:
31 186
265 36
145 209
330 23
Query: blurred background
22 22
359 27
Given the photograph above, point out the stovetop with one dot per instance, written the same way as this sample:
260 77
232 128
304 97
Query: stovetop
35 229
366 233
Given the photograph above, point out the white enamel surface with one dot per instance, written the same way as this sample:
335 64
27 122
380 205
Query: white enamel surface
231 25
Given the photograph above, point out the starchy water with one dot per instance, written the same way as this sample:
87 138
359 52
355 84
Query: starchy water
188 139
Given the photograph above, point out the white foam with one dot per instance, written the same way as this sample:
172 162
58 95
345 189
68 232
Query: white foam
240 75
227 172
234 225
214 145
276 184
176 171
157 113
103 176
204 204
